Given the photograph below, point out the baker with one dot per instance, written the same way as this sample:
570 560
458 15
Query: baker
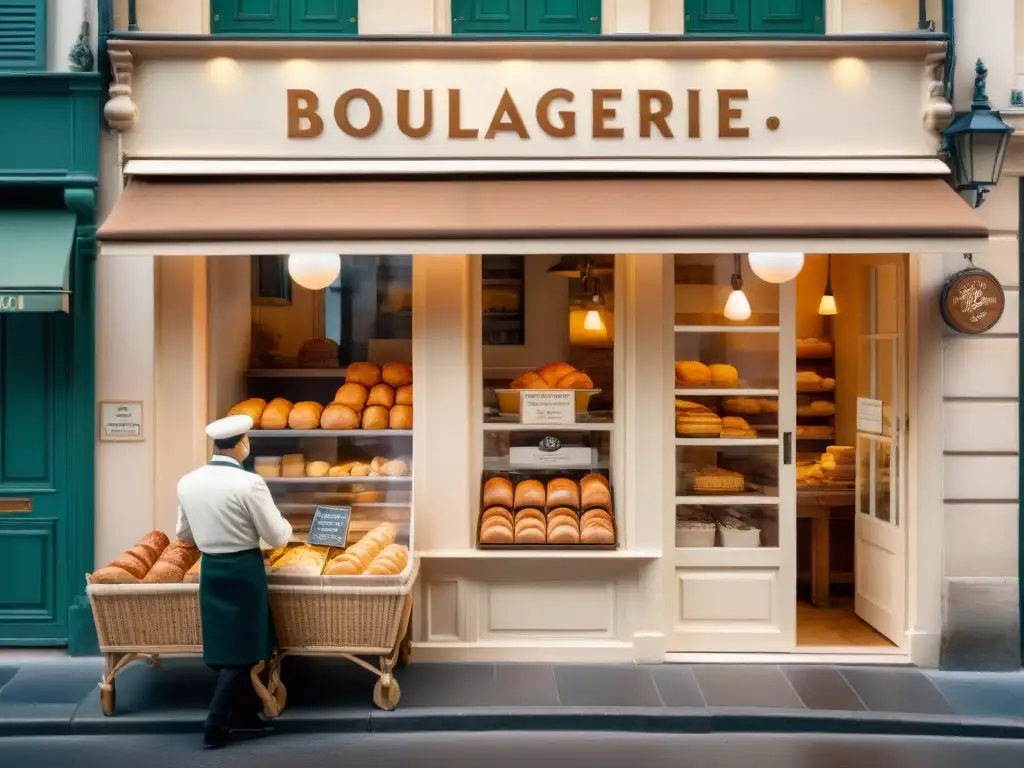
225 511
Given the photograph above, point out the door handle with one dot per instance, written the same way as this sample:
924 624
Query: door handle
787 448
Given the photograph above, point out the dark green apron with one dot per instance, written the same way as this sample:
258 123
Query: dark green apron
234 604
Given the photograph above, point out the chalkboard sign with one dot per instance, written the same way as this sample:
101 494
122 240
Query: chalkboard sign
330 526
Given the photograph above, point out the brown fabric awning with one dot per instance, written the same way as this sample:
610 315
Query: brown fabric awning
161 211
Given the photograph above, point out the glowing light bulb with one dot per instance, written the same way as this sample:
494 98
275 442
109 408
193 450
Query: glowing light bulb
776 267
314 271
592 322
737 307
827 306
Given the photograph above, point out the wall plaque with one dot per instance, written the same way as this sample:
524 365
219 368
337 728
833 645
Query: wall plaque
972 301
121 421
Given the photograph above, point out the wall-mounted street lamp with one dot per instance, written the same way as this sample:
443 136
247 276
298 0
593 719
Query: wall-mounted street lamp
977 142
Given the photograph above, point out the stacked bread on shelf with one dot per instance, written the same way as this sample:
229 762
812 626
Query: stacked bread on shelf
837 466
812 348
557 375
295 465
693 374
751 406
154 560
718 480
696 420
561 512
811 381
374 554
372 397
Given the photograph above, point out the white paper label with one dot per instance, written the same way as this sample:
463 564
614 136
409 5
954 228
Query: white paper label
121 421
548 407
567 456
869 415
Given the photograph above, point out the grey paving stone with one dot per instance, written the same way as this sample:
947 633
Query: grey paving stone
526 685
448 685
981 625
980 694
676 685
738 685
175 694
22 719
592 685
66 682
330 683
821 687
896 689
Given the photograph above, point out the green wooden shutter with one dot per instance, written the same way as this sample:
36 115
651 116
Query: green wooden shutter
22 35
326 17
241 16
483 16
717 15
563 17
793 16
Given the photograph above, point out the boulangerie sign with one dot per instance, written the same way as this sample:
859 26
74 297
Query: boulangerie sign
972 301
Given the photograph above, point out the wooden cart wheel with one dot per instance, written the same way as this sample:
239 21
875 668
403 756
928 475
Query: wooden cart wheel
405 649
281 694
386 698
108 699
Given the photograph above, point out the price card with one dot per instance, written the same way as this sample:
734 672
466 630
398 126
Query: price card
869 415
330 526
548 407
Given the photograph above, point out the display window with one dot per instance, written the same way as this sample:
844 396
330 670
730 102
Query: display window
549 404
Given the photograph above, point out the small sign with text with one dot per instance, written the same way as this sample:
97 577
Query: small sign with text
330 526
547 407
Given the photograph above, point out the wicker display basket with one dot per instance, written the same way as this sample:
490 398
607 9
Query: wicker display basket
335 616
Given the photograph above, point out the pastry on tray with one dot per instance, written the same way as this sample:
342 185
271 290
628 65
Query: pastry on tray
691 373
719 481
694 420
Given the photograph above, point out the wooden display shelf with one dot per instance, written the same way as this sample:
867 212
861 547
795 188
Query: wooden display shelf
725 392
725 442
345 480
726 328
337 434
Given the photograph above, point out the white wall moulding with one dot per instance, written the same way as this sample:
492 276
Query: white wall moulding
479 101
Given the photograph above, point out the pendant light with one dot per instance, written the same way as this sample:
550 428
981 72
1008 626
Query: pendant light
827 305
591 322
736 306
314 271
776 267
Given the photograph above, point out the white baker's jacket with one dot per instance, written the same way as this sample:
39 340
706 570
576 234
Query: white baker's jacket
224 509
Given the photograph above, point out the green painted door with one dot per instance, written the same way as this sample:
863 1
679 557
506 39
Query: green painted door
717 15
35 508
563 16
792 16
483 16
326 17
240 16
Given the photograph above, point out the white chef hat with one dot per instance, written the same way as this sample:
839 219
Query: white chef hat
232 426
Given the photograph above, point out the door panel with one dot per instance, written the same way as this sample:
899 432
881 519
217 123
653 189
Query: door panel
717 15
482 16
34 494
325 16
798 16
564 16
250 15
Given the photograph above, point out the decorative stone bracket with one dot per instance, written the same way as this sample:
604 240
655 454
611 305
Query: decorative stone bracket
120 111
937 111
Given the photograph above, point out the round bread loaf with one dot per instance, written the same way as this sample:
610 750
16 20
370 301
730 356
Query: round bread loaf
317 469
339 417
496 512
530 493
375 417
395 468
562 492
530 536
527 524
497 534
359 469
531 514
305 415
353 395
253 408
403 395
594 492
563 534
367 374
596 534
382 394
397 374
498 490
400 417
275 415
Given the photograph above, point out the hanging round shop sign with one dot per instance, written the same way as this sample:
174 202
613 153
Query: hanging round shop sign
972 301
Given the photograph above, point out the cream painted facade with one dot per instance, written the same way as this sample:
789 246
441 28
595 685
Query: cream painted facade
963 535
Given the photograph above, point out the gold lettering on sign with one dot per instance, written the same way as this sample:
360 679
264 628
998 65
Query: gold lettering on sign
693 114
507 119
405 123
455 129
372 122
568 127
727 113
302 105
603 113
658 117
11 506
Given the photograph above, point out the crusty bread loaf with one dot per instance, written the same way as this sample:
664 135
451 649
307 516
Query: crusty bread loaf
498 491
382 394
157 539
131 564
353 395
304 560
575 380
113 575
395 468
165 572
338 416
143 554
562 492
367 374
305 415
530 493
356 558
317 469
391 561
375 417
178 556
396 374
253 408
192 575
400 417
403 395
594 492
275 415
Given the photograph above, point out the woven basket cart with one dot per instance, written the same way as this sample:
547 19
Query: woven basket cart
343 616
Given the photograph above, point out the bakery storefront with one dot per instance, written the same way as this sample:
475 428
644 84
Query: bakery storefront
664 312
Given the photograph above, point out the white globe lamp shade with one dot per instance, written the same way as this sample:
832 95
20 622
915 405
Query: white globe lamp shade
737 307
776 267
314 271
